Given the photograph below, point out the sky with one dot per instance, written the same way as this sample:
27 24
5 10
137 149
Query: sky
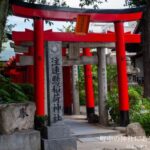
111 4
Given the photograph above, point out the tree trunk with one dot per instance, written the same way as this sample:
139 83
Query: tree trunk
3 16
146 50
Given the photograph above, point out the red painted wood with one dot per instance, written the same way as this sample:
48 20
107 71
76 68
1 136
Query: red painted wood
67 86
89 91
67 83
121 66
39 66
72 37
60 15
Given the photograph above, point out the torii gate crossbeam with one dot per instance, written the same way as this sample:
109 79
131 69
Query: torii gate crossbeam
28 35
70 14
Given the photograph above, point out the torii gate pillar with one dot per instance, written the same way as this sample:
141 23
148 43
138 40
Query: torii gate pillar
89 91
67 83
39 65
122 74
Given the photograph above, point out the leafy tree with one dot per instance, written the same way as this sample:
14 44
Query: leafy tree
4 4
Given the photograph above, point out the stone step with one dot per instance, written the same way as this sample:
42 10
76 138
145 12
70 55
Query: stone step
59 144
54 132
21 140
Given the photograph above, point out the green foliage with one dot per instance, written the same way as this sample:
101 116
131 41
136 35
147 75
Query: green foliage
112 105
144 121
11 92
95 82
28 90
139 107
81 84
141 113
111 76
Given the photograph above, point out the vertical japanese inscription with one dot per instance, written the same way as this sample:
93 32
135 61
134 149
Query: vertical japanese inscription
54 81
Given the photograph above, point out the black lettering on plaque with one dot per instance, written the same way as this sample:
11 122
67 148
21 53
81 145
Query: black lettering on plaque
54 81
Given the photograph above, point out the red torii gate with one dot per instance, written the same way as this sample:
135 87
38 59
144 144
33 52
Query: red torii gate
42 12
48 35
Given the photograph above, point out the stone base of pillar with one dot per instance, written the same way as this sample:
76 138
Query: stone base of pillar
91 116
90 111
124 118
58 137
21 140
68 110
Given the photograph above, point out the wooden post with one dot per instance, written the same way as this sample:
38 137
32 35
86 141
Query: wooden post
67 86
39 66
89 91
122 74
102 86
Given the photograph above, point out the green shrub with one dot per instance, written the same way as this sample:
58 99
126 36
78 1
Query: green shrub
81 85
11 92
141 114
143 119
111 77
139 107
28 89
112 105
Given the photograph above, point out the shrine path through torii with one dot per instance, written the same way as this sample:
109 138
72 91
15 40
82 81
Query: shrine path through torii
42 12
